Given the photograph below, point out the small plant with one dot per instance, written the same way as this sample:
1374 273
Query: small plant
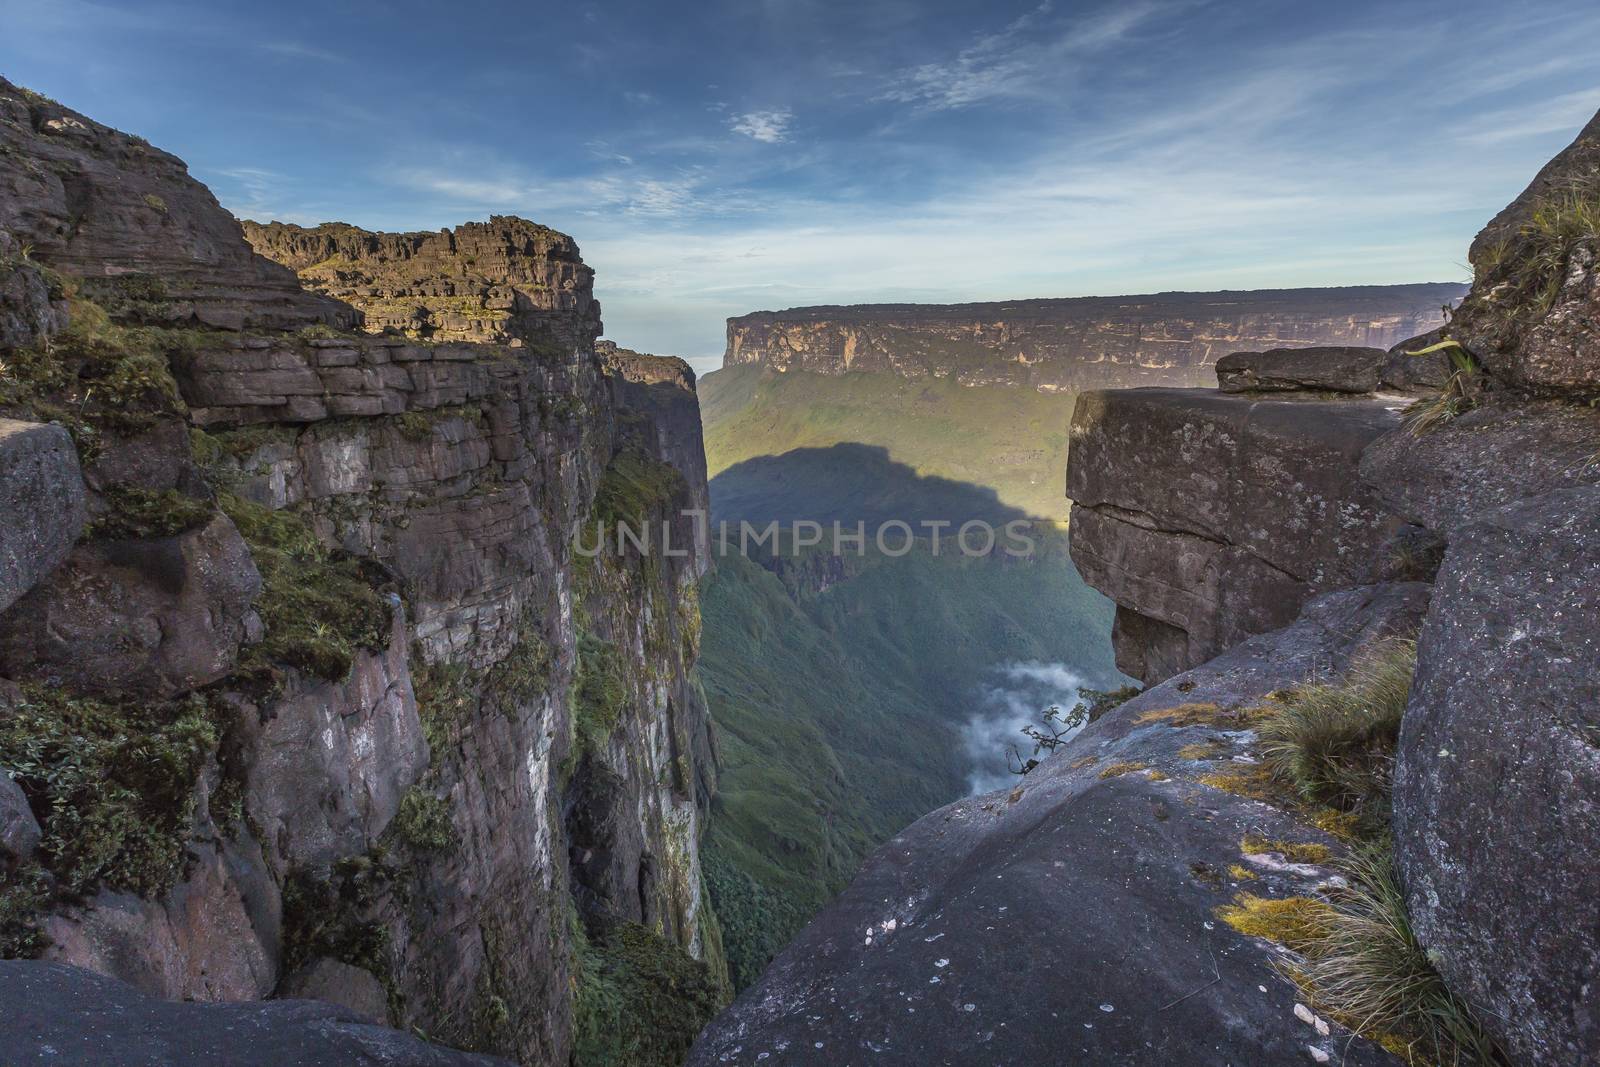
1334 744
155 203
1458 395
1056 727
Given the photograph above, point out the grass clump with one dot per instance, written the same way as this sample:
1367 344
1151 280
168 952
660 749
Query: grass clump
145 513
637 999
319 606
423 821
1117 770
447 694
1367 970
111 782
1520 278
1458 395
1334 744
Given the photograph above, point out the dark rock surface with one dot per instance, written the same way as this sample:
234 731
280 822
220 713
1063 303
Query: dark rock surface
1497 784
1070 920
1483 460
351 988
1216 516
42 507
107 207
19 830
1084 342
1340 370
152 616
29 306
58 1015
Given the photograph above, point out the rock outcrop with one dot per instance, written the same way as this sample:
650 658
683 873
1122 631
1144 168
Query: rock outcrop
392 718
1085 342
1209 517
505 280
1497 788
1071 919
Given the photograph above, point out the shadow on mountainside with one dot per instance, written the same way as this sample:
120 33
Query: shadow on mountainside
848 483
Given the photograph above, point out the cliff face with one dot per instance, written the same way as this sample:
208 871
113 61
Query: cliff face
399 743
1081 343
1385 784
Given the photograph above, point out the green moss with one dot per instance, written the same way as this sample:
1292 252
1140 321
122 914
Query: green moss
111 781
319 607
144 513
423 821
638 1000
634 488
447 694
155 202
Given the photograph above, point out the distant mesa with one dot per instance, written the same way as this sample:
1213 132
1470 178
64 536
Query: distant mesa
1078 343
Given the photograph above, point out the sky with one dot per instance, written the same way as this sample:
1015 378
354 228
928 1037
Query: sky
727 156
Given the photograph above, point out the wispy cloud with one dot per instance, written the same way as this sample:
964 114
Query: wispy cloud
1014 62
1560 113
296 50
770 127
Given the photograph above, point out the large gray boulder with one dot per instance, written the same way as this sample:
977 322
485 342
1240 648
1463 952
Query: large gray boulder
1497 784
157 616
42 509
1210 517
57 1015
1071 919
352 988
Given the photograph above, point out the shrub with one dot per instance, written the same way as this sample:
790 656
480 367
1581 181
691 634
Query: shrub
1334 744
423 820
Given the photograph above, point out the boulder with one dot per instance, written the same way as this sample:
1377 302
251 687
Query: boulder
19 830
1483 460
1209 517
1071 919
1335 369
1497 782
59 1015
352 988
157 616
42 508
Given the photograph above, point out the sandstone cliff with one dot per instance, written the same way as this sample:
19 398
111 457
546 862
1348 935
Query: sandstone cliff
305 686
1081 343
1360 790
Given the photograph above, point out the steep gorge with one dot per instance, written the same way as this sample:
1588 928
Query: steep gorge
400 746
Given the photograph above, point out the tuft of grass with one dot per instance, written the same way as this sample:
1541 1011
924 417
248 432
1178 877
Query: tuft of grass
1458 395
1334 744
145 513
1367 970
1117 770
319 606
423 821
1298 923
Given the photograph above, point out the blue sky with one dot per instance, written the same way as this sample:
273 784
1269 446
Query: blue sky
730 155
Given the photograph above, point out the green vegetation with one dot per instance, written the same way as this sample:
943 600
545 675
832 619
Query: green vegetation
638 1001
1008 440
447 693
319 606
423 821
599 699
634 488
1366 969
839 713
95 377
337 916
1520 278
112 783
146 513
1334 744
1458 394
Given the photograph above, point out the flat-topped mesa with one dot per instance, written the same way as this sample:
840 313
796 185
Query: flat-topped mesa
149 241
1081 342
507 280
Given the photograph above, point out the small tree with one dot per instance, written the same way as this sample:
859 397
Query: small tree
1056 727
